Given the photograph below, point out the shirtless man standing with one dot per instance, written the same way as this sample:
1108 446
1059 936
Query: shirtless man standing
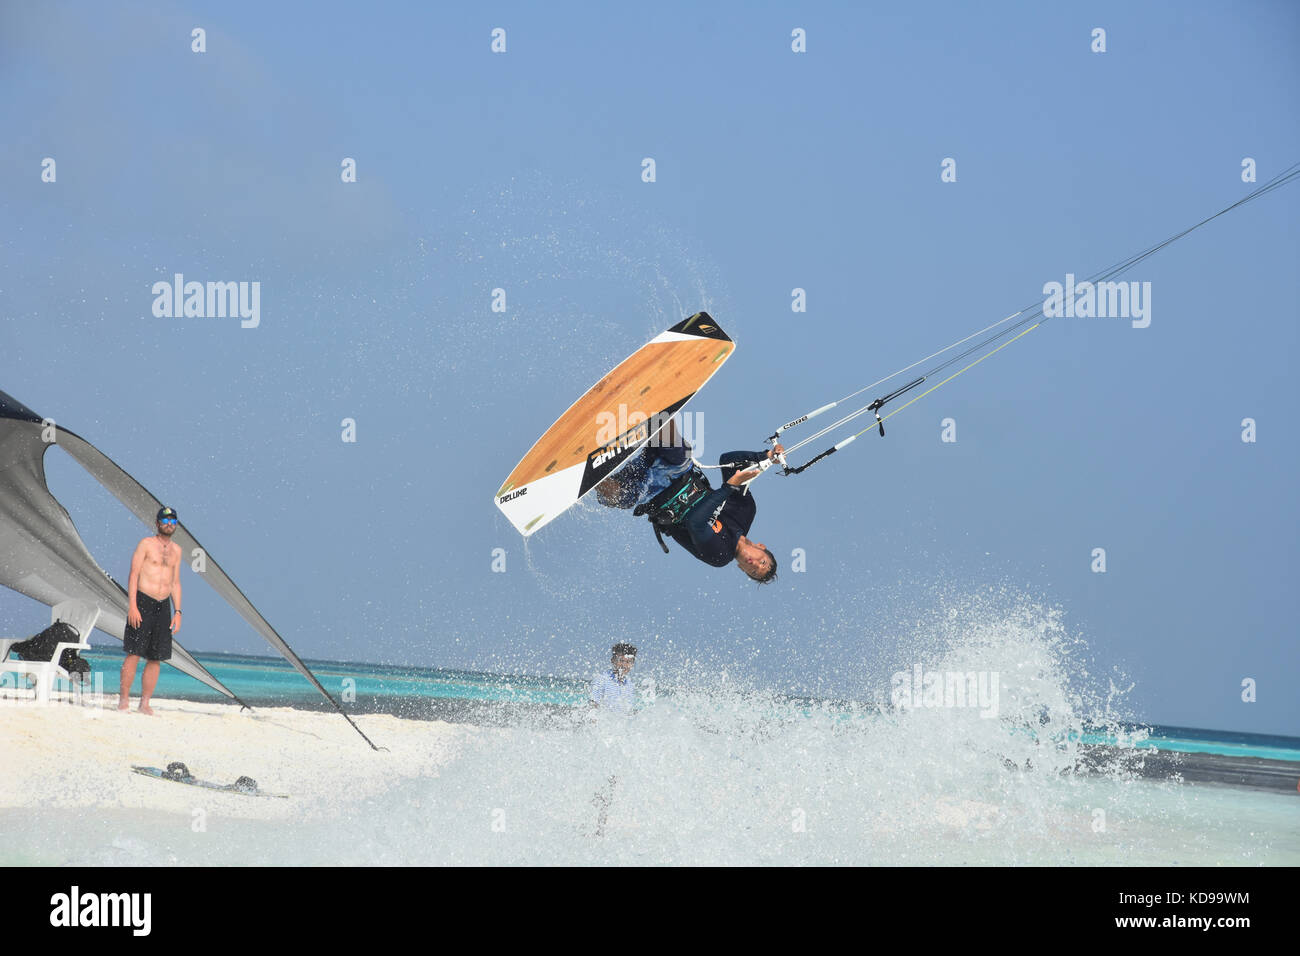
150 623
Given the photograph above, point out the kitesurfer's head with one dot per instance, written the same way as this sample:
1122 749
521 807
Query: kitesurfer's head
622 656
166 521
755 560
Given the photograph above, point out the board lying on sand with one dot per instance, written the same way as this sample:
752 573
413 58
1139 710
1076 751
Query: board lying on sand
179 773
612 421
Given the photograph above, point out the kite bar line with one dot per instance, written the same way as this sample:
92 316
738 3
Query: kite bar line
1031 314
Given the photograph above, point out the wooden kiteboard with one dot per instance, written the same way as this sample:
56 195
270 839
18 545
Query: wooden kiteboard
612 421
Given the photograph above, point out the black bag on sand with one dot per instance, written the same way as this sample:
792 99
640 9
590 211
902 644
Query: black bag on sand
40 647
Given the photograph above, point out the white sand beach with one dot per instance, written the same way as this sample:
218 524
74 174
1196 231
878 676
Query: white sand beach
69 755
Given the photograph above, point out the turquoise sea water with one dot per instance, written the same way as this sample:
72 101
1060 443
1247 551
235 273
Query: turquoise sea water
427 693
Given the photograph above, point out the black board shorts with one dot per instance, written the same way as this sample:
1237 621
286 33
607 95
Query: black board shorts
152 640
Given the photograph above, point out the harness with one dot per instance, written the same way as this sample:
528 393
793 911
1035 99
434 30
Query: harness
671 506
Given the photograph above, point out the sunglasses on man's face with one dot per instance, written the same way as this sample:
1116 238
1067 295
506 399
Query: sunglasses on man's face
167 521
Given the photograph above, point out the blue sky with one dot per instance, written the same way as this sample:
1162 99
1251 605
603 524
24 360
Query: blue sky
775 170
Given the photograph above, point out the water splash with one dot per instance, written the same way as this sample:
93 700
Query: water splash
714 770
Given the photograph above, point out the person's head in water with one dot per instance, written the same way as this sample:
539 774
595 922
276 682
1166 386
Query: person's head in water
755 560
622 656
166 521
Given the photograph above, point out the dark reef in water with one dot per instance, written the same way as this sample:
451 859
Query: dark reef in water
1255 773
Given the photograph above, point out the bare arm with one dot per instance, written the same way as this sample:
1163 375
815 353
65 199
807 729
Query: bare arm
176 592
137 562
740 477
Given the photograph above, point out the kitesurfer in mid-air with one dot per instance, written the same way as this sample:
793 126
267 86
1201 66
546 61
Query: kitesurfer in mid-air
663 483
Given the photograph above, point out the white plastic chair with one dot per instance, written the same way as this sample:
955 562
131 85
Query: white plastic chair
82 615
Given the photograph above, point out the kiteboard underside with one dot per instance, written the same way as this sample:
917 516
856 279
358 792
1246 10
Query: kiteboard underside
244 785
612 421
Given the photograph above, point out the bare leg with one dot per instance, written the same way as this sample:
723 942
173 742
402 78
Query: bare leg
610 491
128 677
150 681
671 437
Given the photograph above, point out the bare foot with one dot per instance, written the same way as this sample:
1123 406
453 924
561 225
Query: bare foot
607 492
610 493
123 703
146 709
